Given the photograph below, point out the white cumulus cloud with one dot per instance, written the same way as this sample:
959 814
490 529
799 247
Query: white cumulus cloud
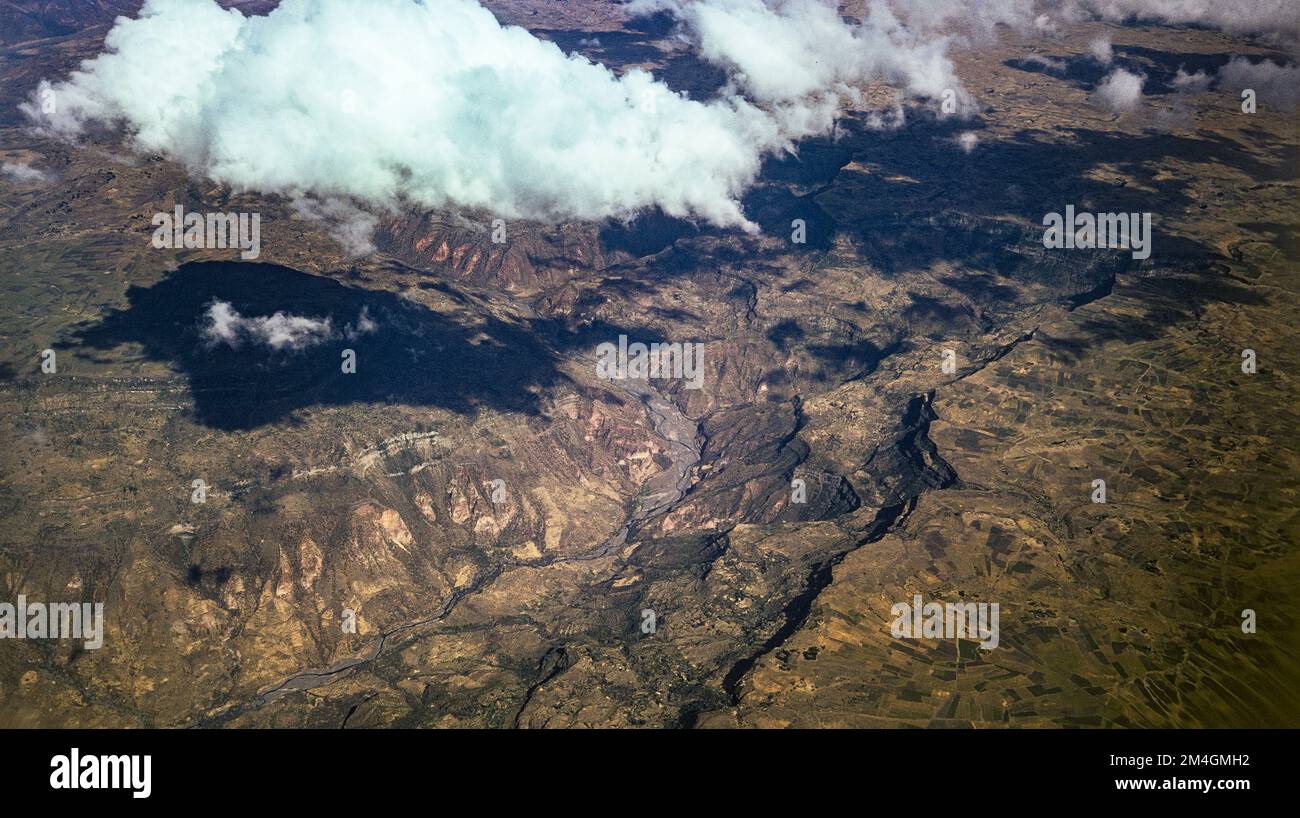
1100 50
1191 83
394 102
780 51
280 331
350 226
1120 90
1274 84
387 104
22 173
1272 19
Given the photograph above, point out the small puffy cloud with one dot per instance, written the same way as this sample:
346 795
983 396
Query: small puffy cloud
349 225
965 18
1191 83
25 174
888 119
1120 91
801 57
967 140
1100 50
1045 62
364 326
1274 84
1275 20
281 331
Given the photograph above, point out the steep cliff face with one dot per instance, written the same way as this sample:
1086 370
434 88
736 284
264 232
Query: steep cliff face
519 258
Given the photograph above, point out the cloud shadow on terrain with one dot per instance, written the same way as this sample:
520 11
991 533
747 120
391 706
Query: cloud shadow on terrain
920 202
415 356
929 202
